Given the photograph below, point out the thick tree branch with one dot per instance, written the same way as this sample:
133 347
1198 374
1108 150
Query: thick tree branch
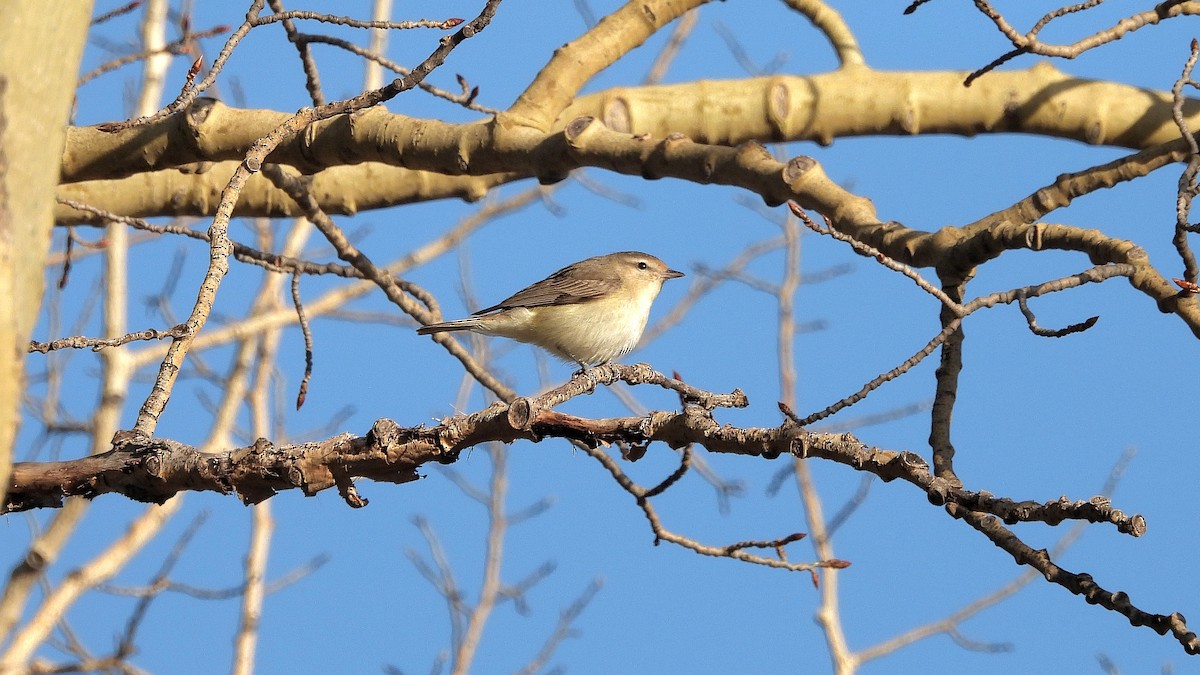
340 190
153 469
1039 100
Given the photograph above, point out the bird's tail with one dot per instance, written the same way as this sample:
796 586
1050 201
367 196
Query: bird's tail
447 326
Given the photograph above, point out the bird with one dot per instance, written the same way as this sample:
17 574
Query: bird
589 312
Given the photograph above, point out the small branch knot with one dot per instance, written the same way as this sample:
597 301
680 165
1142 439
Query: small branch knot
520 413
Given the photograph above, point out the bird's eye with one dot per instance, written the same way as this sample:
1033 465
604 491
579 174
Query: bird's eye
642 265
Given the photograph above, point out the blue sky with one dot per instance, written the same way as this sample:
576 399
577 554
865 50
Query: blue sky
1036 418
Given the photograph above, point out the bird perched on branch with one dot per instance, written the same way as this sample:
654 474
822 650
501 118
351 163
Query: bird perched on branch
590 312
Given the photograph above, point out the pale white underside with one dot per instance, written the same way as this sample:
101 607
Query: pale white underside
588 332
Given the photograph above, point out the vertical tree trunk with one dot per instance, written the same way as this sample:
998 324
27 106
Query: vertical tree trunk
41 44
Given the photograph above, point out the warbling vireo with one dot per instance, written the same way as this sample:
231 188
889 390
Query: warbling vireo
590 312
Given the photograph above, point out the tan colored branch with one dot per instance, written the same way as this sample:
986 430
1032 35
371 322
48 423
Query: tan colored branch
491 588
576 62
246 640
341 190
846 103
827 20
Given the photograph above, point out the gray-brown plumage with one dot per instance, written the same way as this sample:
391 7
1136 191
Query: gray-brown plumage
590 312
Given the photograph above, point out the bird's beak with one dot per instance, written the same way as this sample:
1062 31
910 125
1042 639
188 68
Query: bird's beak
671 274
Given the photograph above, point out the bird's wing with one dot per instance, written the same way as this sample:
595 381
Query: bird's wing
559 288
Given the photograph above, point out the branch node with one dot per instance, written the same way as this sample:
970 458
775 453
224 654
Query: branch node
520 413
